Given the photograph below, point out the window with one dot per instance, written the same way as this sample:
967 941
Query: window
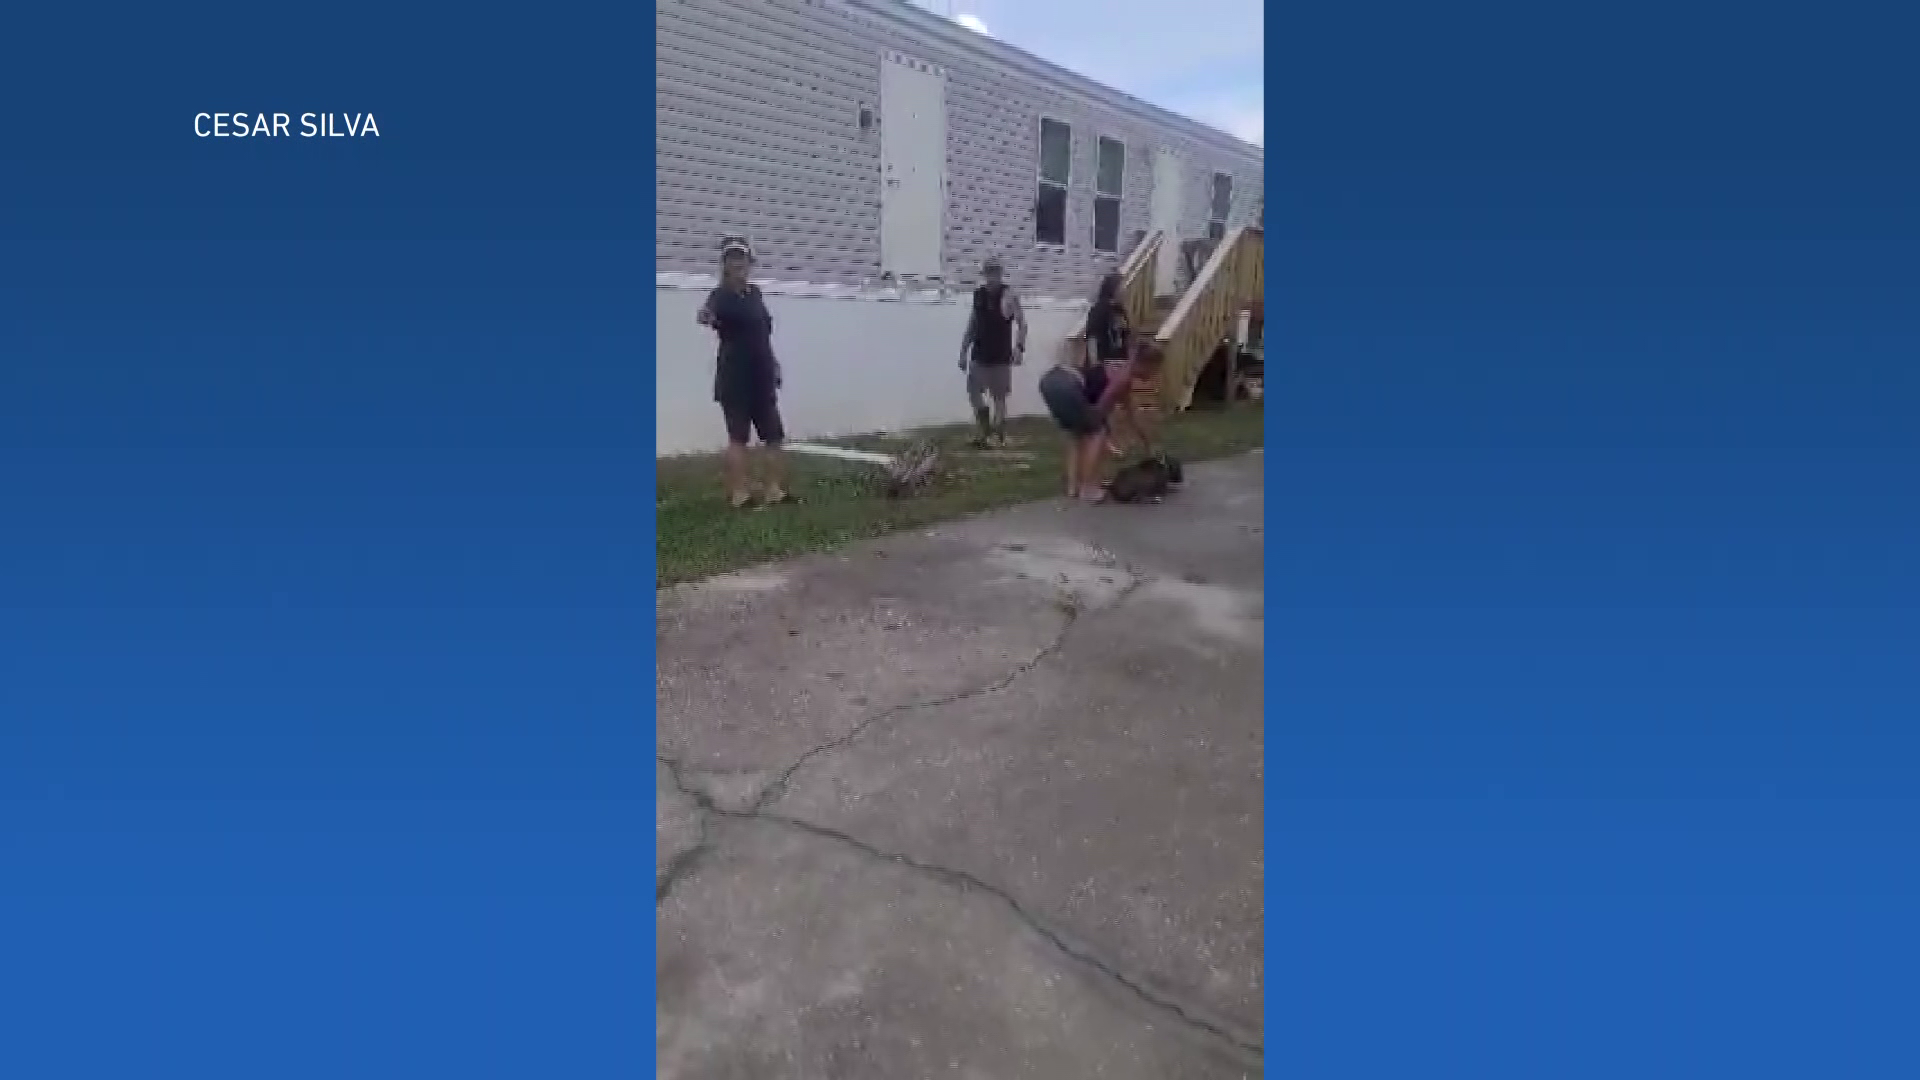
1219 206
1056 169
1106 224
1108 179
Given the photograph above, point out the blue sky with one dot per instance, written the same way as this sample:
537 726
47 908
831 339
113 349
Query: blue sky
1208 62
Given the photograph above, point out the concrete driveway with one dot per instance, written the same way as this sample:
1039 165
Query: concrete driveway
982 802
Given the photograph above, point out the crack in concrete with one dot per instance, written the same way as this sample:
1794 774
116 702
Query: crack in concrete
705 804
682 865
705 801
1072 611
963 881
778 786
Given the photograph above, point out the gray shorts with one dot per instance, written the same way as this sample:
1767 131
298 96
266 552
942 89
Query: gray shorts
993 380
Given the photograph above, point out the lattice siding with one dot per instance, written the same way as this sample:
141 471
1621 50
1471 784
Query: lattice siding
758 131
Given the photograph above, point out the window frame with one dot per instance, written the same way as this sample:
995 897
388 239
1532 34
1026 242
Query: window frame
1116 197
1041 181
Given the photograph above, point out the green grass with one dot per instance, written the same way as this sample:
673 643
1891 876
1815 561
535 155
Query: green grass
699 535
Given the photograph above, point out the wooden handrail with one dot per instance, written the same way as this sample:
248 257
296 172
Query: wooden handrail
1137 278
1230 282
1148 244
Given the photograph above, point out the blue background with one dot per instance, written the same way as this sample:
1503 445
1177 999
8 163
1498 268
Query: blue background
325 546
324 542
1592 654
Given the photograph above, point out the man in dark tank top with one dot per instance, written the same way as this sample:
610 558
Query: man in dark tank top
995 341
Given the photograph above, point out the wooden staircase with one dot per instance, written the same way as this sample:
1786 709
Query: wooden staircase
1136 278
1229 284
1153 315
1227 280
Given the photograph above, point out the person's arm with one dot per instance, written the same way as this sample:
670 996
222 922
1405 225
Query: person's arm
1020 328
966 340
705 316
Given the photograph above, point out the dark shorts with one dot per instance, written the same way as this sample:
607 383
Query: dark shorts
991 379
1095 380
749 415
1066 398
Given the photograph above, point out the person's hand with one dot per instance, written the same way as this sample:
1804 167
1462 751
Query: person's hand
705 317
779 381
1019 355
963 359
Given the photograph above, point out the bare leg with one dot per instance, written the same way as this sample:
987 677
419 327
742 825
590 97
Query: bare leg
1117 422
1123 432
1000 418
773 462
1076 445
982 416
1118 429
1146 424
735 463
1090 465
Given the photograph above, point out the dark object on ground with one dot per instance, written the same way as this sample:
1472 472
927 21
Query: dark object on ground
1146 480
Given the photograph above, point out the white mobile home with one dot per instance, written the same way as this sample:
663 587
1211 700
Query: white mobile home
875 154
860 141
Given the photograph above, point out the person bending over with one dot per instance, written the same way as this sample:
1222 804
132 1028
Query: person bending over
994 343
1081 395
746 376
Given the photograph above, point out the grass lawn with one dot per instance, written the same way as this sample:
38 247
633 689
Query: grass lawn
699 535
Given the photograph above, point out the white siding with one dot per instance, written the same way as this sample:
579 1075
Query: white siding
758 132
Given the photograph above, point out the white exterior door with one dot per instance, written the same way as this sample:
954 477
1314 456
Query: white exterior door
1164 214
913 166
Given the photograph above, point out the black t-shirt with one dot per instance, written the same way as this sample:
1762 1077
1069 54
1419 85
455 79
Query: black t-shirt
1108 330
745 363
992 326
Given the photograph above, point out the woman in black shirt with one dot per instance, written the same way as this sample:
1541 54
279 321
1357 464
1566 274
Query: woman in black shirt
746 377
1109 343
